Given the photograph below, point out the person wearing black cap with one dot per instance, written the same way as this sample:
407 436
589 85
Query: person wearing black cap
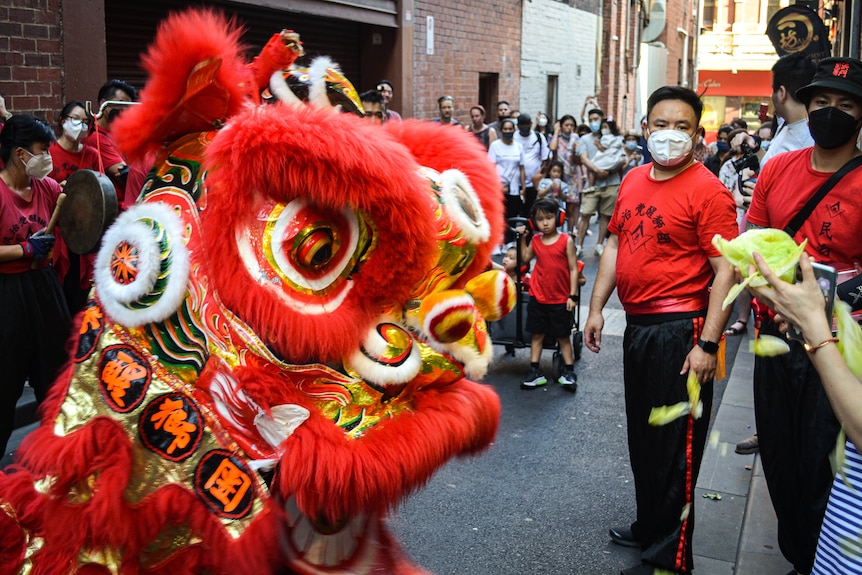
797 427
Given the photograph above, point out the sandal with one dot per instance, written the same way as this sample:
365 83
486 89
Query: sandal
733 330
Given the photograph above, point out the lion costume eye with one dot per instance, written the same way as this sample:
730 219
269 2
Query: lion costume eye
309 250
314 248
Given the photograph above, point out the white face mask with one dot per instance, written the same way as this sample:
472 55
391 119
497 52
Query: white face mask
669 148
38 166
73 128
606 132
543 122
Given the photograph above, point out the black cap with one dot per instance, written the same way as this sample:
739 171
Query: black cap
525 119
844 74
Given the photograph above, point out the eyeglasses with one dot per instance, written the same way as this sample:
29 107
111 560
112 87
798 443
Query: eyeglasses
378 115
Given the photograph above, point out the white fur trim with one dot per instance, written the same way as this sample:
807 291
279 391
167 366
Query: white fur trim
363 363
475 362
117 298
279 88
317 75
455 189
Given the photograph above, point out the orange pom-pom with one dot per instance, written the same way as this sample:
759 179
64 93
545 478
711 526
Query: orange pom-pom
494 293
447 316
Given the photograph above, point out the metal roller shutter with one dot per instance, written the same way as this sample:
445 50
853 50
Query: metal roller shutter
130 27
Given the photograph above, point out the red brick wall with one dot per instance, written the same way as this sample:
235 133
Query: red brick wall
618 79
469 38
679 15
31 57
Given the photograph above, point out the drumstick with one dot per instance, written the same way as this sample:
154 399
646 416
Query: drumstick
60 199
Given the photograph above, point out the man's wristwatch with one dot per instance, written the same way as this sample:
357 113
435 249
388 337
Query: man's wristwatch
708 346
574 298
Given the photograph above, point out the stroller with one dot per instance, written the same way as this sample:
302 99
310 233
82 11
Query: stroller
510 331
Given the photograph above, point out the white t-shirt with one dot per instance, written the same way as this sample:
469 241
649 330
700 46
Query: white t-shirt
508 158
790 137
535 152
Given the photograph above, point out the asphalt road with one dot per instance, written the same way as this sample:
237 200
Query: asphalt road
540 500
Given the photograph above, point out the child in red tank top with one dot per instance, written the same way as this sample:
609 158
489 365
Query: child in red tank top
553 291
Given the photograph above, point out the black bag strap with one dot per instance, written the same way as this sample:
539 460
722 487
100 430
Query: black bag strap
818 196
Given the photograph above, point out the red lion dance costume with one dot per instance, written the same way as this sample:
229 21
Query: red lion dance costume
277 346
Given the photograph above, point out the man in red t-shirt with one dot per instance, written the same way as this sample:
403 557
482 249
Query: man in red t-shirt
100 138
661 260
796 425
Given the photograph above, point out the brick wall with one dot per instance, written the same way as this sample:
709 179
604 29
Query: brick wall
31 57
680 14
469 39
558 40
618 92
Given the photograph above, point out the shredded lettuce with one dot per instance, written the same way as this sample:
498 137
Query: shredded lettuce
777 248
665 414
849 337
769 346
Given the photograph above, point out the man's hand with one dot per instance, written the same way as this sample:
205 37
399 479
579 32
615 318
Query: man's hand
593 331
291 40
748 178
701 362
601 174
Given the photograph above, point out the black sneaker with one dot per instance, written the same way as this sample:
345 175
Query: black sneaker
624 536
569 381
534 379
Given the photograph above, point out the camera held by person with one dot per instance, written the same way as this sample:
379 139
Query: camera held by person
747 166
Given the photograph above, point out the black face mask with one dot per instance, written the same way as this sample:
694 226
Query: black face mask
831 128
507 136
524 130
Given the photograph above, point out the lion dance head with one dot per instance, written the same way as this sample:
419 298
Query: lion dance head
278 346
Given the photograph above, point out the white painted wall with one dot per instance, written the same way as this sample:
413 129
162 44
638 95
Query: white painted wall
555 40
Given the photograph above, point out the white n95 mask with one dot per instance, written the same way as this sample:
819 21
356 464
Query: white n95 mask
669 148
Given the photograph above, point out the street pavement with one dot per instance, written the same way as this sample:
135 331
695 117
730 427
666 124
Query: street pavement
540 500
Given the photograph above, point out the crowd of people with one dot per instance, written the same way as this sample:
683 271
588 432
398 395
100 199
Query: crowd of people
42 284
660 193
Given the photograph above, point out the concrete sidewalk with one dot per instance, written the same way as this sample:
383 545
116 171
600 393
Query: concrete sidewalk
735 535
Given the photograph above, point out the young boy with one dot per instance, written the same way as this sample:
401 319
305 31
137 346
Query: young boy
553 292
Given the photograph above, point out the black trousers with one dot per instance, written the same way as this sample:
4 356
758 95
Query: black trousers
530 195
796 429
514 206
33 332
665 459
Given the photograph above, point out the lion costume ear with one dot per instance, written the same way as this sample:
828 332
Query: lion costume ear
464 169
198 79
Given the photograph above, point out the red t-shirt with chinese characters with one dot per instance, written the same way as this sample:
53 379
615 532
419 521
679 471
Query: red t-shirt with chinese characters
67 163
550 280
834 228
104 144
665 230
20 219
